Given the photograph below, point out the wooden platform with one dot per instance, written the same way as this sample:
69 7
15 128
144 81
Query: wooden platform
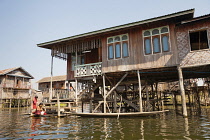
131 114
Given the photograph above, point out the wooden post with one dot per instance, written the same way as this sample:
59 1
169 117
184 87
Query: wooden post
104 90
51 91
147 92
181 84
10 103
140 97
58 103
76 90
115 102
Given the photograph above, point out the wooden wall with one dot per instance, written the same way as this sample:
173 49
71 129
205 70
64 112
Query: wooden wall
137 59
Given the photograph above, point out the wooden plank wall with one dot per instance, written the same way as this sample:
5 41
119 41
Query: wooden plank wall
137 59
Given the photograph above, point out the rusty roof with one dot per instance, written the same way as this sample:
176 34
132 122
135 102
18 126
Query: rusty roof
3 72
54 78
7 71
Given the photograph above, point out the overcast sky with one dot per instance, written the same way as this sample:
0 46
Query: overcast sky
25 23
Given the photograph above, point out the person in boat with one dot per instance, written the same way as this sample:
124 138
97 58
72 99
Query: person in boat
34 104
40 110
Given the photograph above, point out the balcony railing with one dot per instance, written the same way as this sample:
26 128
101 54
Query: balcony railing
88 69
12 85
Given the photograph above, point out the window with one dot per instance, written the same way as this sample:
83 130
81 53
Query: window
156 40
125 49
117 51
198 40
148 49
110 52
118 46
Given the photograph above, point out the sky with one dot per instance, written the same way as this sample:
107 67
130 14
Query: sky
26 23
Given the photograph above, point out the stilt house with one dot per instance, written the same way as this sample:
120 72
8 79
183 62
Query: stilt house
59 84
15 85
121 66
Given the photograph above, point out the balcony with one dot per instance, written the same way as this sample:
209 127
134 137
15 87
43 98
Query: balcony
17 86
88 70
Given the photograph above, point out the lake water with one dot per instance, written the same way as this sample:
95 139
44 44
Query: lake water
14 125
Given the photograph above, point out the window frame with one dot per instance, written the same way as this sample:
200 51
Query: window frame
160 36
194 31
114 43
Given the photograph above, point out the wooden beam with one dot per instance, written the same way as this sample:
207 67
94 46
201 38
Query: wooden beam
116 85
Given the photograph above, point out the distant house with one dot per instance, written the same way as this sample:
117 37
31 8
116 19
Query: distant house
59 84
14 84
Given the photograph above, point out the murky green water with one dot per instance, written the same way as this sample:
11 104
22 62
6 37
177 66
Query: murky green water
14 125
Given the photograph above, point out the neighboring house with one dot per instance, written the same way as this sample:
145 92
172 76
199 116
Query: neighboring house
142 53
15 84
59 84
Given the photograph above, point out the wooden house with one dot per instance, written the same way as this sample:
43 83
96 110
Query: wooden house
59 84
15 86
125 63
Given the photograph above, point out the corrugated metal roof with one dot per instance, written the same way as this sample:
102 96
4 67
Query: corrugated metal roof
196 19
3 72
54 78
190 11
6 71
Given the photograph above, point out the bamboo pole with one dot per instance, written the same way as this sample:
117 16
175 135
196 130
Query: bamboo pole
181 84
140 97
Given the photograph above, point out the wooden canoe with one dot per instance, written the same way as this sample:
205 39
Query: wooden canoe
129 114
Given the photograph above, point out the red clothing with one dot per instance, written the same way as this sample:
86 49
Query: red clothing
34 103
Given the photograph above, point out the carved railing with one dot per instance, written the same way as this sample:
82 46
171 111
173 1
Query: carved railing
88 69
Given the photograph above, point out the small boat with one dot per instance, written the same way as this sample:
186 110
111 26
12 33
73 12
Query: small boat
47 115
129 114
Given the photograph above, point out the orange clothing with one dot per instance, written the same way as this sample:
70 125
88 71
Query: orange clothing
35 103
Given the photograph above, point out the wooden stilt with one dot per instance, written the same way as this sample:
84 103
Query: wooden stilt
140 96
147 93
51 91
181 84
115 101
76 90
10 103
58 103
104 90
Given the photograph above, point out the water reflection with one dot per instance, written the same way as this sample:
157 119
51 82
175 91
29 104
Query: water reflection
14 125
186 126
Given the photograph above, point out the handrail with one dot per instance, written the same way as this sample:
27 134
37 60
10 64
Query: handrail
88 69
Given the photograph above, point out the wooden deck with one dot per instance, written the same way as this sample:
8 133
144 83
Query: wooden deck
131 114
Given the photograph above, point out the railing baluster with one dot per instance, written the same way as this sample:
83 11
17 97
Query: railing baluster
88 69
